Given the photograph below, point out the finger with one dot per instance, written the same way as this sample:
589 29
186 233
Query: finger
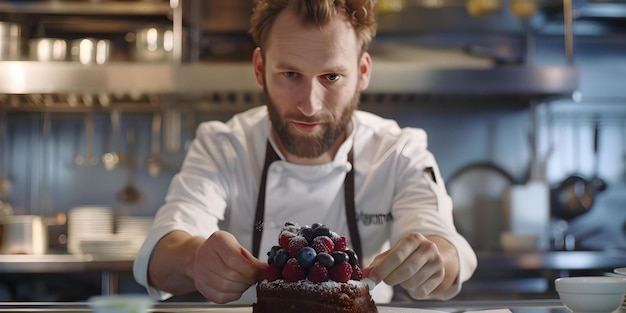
240 265
424 262
382 267
369 271
215 295
423 290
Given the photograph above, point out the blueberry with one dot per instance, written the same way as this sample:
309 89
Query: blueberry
281 258
271 255
340 257
322 231
307 233
352 257
326 259
306 257
316 225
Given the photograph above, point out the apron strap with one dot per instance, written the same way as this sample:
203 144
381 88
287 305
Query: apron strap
348 189
270 157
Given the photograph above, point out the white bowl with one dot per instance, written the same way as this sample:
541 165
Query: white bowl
591 294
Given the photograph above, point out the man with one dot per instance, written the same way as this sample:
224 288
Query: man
307 156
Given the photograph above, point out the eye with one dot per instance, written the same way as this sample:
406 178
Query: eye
289 74
332 77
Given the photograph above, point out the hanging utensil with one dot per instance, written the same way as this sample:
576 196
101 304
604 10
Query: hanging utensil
112 159
598 183
89 159
130 193
154 163
624 152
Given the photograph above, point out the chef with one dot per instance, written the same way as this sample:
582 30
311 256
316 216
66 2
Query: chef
309 155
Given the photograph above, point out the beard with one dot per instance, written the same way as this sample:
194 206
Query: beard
311 145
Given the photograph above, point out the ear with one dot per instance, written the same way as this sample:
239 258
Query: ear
257 65
365 71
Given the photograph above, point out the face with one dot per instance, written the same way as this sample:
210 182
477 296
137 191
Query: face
312 78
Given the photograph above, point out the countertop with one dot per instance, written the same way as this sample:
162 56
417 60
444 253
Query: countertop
522 306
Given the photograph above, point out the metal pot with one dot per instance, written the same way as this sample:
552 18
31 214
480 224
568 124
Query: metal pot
10 41
90 50
572 198
24 234
154 44
48 49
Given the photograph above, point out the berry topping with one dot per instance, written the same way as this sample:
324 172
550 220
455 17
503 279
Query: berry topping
272 273
352 257
284 238
296 243
307 233
272 254
281 258
322 231
323 244
326 259
341 243
341 272
313 253
293 272
318 273
340 257
357 273
306 257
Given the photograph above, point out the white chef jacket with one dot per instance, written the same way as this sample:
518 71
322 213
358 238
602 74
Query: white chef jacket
218 184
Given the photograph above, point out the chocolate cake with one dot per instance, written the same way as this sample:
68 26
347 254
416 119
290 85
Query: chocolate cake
312 270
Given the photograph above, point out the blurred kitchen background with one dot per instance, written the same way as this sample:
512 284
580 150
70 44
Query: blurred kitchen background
524 102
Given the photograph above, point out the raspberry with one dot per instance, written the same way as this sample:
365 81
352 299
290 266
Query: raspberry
341 272
341 243
293 272
357 273
323 244
295 244
272 273
318 273
284 238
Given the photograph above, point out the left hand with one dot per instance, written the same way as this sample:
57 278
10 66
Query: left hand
414 263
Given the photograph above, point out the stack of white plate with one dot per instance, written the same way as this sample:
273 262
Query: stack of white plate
111 246
88 223
133 229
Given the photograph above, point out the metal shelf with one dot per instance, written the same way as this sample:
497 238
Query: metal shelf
87 8
25 77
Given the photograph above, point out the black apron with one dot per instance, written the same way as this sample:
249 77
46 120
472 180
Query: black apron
348 188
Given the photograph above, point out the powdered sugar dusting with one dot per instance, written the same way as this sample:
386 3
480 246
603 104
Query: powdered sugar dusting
307 285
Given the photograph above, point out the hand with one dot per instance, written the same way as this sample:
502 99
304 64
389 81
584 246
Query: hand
224 270
414 263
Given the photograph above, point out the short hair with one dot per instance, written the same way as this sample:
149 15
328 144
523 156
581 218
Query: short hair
359 13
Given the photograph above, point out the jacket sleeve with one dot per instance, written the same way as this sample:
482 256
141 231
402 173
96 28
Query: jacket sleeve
421 203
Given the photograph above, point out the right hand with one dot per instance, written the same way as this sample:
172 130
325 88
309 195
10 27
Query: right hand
224 270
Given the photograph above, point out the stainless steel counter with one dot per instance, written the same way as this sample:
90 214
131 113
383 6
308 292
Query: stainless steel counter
553 260
108 266
525 306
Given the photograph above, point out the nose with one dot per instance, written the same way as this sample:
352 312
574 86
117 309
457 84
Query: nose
311 100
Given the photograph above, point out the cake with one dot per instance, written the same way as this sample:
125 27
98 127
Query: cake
312 270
